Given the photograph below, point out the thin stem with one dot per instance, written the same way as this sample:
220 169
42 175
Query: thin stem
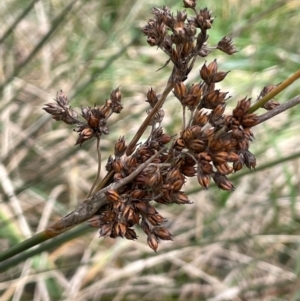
22 256
274 92
183 118
99 168
147 121
279 109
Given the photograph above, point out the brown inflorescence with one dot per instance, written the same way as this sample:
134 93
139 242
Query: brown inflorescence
211 146
95 118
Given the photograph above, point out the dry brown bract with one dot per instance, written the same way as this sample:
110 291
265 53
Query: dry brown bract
211 145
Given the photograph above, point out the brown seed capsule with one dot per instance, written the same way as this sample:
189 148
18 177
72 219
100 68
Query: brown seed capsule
196 145
162 233
137 194
145 208
205 74
106 230
200 118
112 196
164 139
152 97
115 95
249 159
233 157
224 168
122 229
196 131
238 165
108 216
180 90
130 234
188 171
219 76
222 182
213 66
196 91
226 46
179 144
249 120
120 147
203 180
152 242
85 134
117 166
189 3
180 198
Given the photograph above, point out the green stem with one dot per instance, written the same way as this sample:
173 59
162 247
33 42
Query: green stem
57 241
24 245
274 92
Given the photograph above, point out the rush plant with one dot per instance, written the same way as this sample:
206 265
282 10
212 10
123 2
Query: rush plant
211 145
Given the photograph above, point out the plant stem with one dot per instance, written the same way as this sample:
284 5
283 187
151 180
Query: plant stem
22 256
147 121
24 245
99 168
274 92
279 109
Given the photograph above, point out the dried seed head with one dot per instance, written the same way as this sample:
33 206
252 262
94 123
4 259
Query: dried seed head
249 159
226 46
249 120
84 134
130 234
272 103
115 96
200 118
162 233
203 20
203 180
106 230
180 91
206 73
180 198
152 242
112 196
120 147
218 76
189 3
179 144
152 97
222 182
61 109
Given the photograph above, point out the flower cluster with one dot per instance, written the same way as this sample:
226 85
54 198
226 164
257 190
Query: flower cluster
211 145
95 118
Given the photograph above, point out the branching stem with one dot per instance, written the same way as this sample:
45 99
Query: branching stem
274 92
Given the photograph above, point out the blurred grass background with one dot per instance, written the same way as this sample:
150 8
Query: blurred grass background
227 246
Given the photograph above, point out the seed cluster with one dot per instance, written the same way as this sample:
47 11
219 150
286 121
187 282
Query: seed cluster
211 145
95 118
